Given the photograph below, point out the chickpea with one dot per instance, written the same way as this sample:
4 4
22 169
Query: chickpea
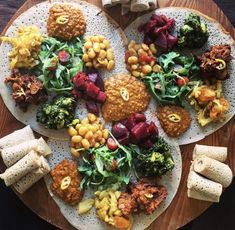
141 52
132 60
83 130
99 135
92 117
78 126
89 135
110 65
85 143
157 68
131 44
95 38
110 55
88 64
105 134
146 69
134 67
106 43
96 47
85 121
103 62
88 44
137 47
76 139
132 52
153 48
144 47
102 46
75 152
72 131
135 73
102 141
101 38
91 53
96 127
85 58
102 54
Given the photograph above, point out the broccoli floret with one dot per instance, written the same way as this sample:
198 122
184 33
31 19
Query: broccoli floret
193 34
57 114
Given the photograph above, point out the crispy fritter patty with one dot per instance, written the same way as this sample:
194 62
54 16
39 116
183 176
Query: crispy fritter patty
174 120
71 194
120 106
65 22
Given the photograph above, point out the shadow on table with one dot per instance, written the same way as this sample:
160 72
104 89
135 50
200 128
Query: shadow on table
219 216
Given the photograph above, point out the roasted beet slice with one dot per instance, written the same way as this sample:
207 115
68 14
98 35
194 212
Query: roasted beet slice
119 130
92 90
140 131
153 130
80 81
100 83
101 97
92 107
130 122
139 117
124 140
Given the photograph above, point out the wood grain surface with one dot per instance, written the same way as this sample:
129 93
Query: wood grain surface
182 210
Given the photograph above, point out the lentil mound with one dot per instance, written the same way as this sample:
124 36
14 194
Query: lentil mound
65 22
125 95
174 119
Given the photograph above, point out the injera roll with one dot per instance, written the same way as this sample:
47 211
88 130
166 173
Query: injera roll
214 170
204 186
31 178
14 153
197 195
217 153
25 165
17 137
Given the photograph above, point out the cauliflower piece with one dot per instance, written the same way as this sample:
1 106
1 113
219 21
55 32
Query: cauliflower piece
219 108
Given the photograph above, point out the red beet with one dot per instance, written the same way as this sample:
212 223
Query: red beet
77 94
101 97
140 131
100 83
119 130
92 90
92 107
63 56
130 122
161 40
80 81
139 117
171 41
153 130
124 140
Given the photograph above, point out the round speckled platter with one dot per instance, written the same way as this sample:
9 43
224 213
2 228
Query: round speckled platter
217 36
90 221
97 23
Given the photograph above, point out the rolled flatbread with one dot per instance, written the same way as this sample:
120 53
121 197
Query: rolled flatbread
139 5
214 170
25 165
214 152
107 3
17 137
198 196
31 178
204 186
12 154
125 8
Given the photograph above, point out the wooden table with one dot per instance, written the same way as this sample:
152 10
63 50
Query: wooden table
182 210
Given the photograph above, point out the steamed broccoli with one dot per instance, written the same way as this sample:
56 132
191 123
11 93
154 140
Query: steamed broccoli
155 161
193 34
57 114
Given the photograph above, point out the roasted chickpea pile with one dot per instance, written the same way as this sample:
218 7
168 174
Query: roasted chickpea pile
88 133
98 53
140 59
106 203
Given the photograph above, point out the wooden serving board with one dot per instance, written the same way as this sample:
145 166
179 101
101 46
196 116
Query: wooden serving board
182 210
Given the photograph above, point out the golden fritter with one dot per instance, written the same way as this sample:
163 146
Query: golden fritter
125 95
65 22
174 119
66 182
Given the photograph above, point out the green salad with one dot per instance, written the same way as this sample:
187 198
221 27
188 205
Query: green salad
104 168
59 61
178 77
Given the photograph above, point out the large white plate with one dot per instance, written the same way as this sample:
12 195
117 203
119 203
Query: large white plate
90 221
217 36
97 23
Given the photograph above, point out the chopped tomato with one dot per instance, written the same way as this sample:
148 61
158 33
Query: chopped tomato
111 144
63 56
114 164
146 58
182 81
